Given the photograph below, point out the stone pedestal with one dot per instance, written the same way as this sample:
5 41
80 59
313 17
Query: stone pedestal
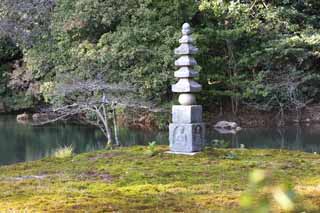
187 130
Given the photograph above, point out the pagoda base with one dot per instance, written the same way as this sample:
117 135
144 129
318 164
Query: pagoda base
183 153
186 138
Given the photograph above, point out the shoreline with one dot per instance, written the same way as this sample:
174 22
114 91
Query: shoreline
144 119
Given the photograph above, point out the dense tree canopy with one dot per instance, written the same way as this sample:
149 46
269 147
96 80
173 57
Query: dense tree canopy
261 53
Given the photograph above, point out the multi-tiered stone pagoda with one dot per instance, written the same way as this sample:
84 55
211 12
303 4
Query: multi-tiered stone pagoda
187 132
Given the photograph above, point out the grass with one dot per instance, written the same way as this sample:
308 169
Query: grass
64 152
131 180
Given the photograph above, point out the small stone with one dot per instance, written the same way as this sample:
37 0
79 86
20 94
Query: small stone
23 117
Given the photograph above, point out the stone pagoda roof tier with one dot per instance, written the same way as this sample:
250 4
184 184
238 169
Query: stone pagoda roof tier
186 61
186 72
186 49
186 85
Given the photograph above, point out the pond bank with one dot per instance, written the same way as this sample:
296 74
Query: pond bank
246 118
144 119
131 180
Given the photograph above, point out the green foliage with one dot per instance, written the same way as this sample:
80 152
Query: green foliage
151 149
220 143
4 70
263 54
8 50
123 41
47 90
252 200
18 101
64 152
128 180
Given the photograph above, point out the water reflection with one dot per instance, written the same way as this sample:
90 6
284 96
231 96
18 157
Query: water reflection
20 143
293 138
26 143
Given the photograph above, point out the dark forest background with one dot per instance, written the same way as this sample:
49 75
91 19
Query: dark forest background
262 54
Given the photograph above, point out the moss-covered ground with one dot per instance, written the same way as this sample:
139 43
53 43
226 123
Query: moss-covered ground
131 180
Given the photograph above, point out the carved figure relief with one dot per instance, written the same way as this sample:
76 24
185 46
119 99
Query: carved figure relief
197 135
180 136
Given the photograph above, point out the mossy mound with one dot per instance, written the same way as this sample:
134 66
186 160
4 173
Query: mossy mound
131 180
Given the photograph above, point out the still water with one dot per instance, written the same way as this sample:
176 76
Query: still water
19 143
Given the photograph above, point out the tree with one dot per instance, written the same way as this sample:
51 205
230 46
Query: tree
261 53
92 101
25 22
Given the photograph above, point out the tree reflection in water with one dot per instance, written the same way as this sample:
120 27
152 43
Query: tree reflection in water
20 143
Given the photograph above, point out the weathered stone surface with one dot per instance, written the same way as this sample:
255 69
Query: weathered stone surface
185 85
186 29
185 61
187 99
186 49
186 72
186 114
187 137
186 39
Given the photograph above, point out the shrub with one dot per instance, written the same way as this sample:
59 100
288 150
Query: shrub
64 152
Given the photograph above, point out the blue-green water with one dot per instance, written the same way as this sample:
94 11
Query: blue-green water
20 143
292 138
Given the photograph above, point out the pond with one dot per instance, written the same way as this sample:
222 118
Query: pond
20 143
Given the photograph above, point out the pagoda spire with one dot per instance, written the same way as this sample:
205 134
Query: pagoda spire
186 62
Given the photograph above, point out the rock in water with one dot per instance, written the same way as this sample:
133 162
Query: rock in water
227 125
23 117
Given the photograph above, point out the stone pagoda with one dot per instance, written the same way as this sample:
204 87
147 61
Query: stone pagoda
187 131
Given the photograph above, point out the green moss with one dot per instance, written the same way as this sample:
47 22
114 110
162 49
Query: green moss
130 180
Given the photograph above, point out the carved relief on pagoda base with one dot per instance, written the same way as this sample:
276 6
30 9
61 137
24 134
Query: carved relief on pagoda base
187 138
